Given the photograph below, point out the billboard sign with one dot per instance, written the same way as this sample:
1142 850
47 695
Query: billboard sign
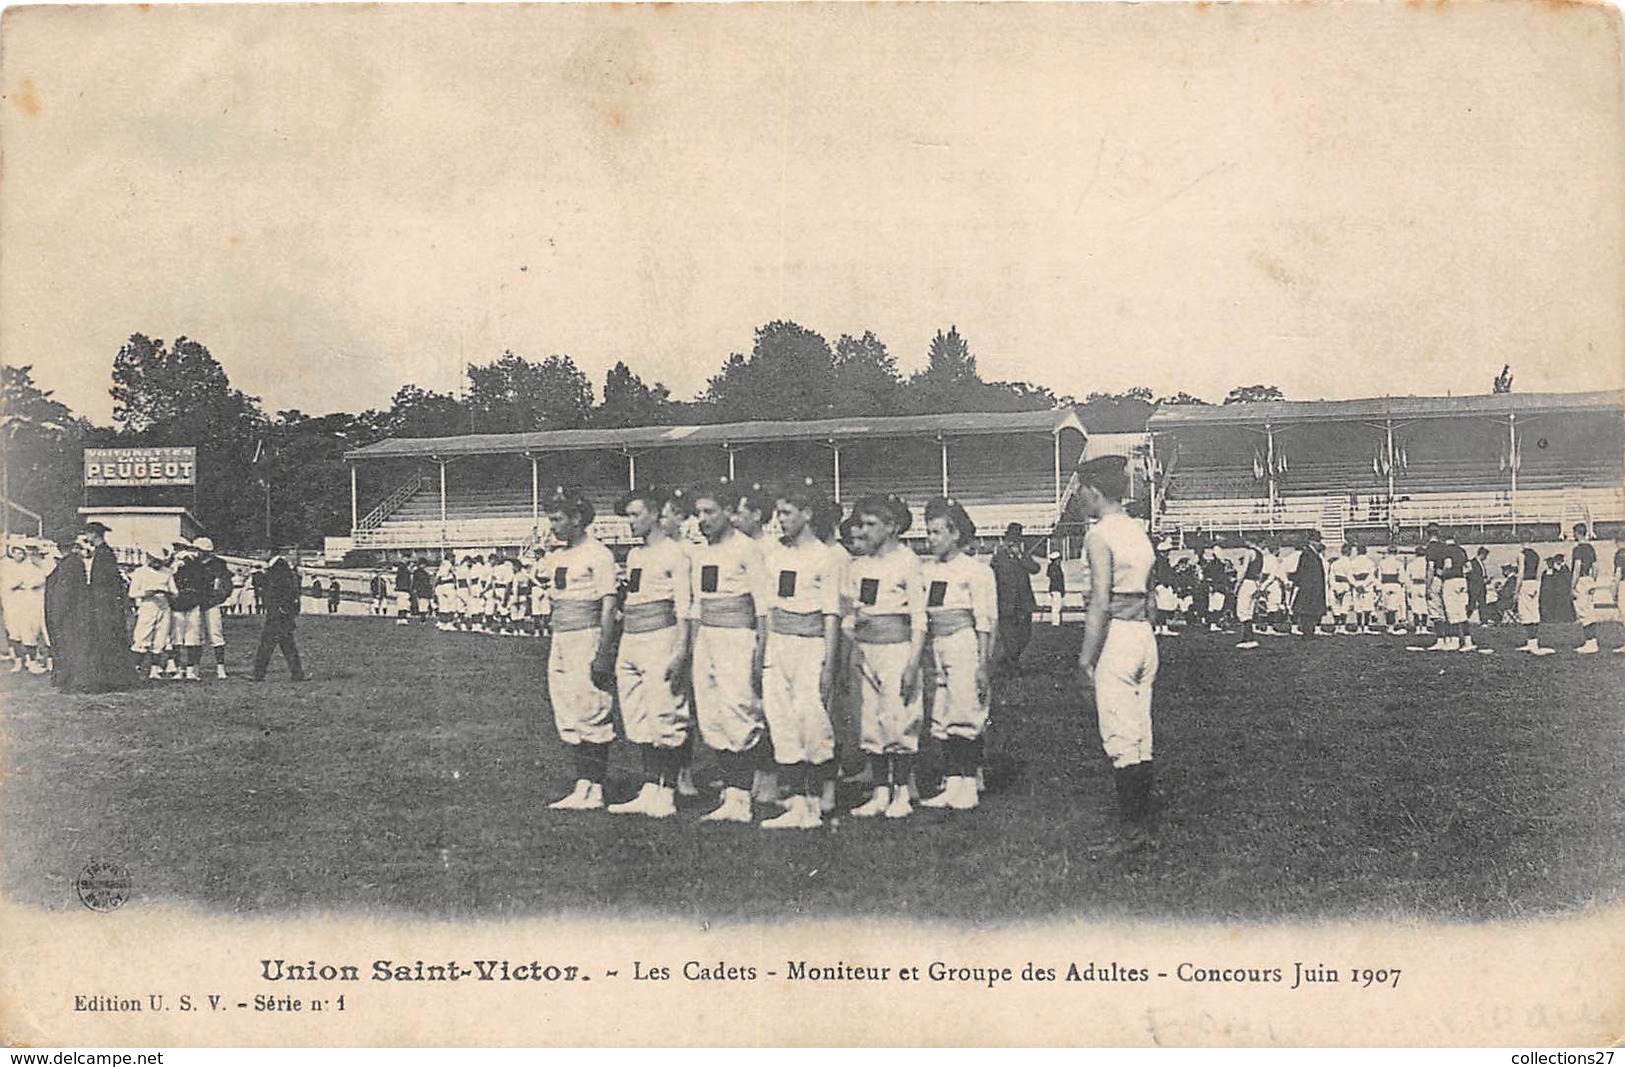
140 466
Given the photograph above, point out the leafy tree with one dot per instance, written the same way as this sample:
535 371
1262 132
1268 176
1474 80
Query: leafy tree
630 402
40 447
790 375
1136 392
866 378
949 359
514 395
1252 394
417 412
180 395
1503 381
950 382
301 462
1183 398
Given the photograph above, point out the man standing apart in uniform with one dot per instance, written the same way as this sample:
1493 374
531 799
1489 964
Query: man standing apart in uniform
1583 585
1119 655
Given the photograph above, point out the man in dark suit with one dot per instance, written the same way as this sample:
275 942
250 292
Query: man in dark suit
1309 579
1013 568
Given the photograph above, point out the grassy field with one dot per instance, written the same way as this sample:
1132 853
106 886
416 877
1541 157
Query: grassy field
1338 778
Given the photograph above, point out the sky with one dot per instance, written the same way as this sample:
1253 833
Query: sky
1343 200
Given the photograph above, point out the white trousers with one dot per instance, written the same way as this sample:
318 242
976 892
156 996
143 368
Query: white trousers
1124 676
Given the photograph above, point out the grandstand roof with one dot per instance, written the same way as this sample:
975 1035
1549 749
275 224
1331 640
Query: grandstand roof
1407 407
957 424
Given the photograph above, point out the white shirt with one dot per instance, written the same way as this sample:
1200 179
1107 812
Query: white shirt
582 572
1132 554
657 572
887 585
961 583
801 578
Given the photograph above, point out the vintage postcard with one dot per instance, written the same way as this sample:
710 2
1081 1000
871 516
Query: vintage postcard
812 524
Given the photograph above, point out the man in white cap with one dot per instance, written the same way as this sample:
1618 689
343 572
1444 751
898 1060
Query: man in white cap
151 587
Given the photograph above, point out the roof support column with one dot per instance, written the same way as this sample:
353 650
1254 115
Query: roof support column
442 499
836 448
1057 436
535 490
353 516
943 442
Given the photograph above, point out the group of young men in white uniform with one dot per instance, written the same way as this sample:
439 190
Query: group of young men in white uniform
752 639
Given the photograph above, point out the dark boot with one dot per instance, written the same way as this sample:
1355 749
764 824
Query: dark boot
1133 786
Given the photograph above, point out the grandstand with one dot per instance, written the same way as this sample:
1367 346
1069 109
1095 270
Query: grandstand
1365 469
486 490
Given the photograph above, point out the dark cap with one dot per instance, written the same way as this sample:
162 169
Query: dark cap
1107 474
1313 536
1101 467
1015 529
97 526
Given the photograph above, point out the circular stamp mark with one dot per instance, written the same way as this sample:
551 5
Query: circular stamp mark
103 886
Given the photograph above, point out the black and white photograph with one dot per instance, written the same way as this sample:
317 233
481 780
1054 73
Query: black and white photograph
680 525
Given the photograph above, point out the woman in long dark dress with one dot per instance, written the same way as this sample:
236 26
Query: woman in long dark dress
67 617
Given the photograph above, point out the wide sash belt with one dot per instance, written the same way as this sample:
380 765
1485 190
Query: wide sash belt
796 623
649 616
945 621
881 629
575 615
1129 607
730 612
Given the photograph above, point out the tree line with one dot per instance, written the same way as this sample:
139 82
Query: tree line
179 394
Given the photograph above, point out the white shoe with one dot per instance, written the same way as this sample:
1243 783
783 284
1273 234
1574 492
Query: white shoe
638 805
877 804
191 675
941 799
794 817
662 803
962 794
685 782
1247 644
17 667
154 674
1544 651
899 808
981 782
826 801
1620 651
1587 649
735 807
220 671
1467 646
36 667
400 621
578 798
